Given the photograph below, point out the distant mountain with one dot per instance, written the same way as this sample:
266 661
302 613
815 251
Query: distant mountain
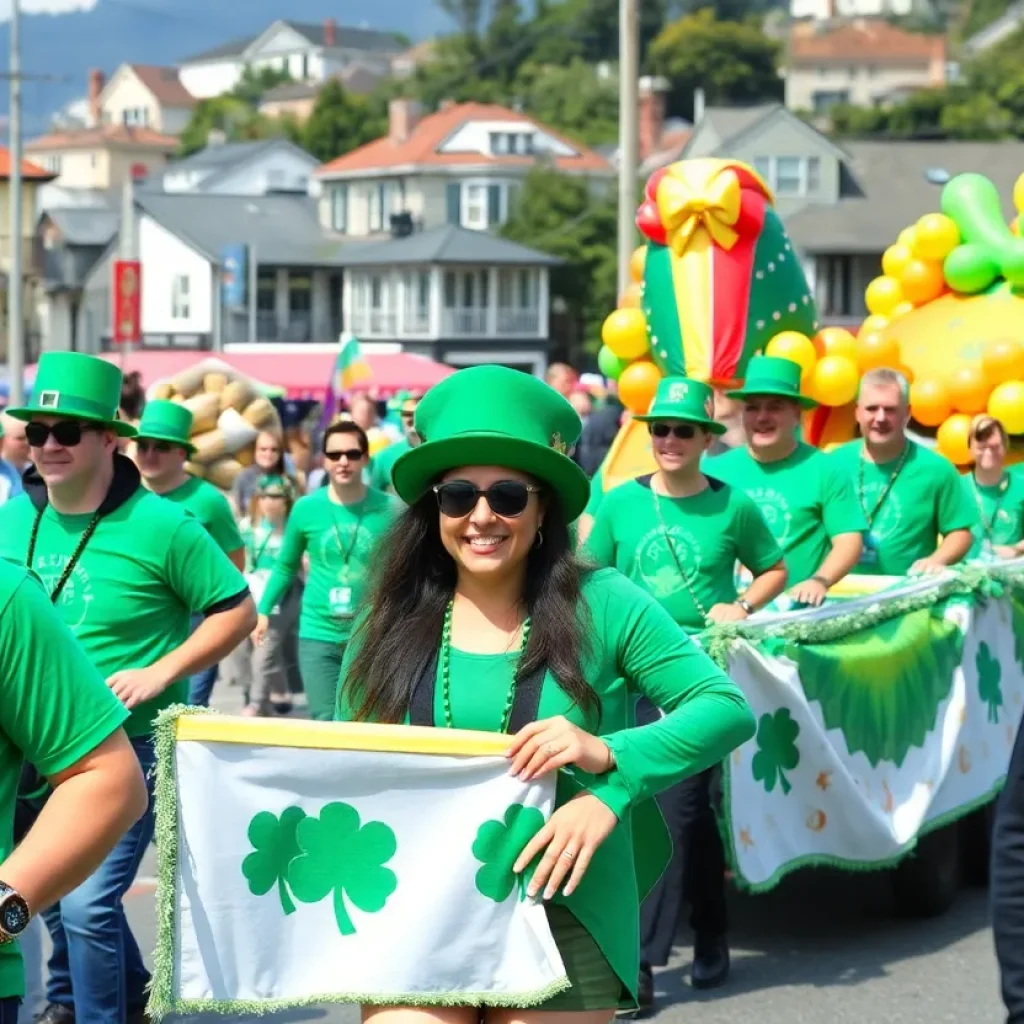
65 46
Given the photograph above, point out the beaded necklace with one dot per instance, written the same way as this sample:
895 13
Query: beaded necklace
446 650
870 516
69 566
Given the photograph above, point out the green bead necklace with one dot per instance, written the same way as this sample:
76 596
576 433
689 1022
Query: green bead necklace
446 650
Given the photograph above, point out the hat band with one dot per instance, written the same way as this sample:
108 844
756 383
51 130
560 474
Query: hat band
164 429
772 386
58 402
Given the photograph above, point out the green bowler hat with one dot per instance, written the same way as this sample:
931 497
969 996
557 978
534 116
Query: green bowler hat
770 375
167 421
78 386
680 398
495 416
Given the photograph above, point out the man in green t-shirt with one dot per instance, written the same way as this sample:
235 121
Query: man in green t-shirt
998 495
125 571
162 448
338 526
679 534
807 500
384 461
909 495
56 713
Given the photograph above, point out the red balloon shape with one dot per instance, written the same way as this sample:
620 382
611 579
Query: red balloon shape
651 191
648 222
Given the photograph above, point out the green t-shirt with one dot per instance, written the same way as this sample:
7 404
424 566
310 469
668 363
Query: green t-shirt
806 499
1001 513
710 532
146 569
54 708
211 508
926 500
634 649
384 462
262 546
340 540
596 494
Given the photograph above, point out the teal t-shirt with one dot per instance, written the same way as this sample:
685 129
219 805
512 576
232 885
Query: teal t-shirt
211 508
926 500
708 532
148 567
806 500
384 462
340 541
1000 509
54 709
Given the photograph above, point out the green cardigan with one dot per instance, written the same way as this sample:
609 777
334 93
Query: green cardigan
636 649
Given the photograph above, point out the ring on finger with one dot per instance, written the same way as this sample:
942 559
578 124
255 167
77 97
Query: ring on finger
568 854
549 749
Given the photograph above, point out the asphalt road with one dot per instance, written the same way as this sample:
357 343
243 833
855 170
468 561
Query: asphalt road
822 948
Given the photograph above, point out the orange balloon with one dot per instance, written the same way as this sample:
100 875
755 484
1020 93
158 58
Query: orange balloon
953 438
637 384
922 281
630 298
908 373
875 350
835 341
968 389
1002 359
929 402
637 262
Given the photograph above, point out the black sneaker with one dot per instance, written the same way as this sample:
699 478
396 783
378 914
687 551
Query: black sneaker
710 962
644 996
56 1013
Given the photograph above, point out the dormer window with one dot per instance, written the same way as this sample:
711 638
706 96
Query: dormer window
511 143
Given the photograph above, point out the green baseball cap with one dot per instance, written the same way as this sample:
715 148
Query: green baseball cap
167 421
772 376
680 398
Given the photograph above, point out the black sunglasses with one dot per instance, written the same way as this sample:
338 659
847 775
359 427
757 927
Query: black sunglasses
67 433
684 431
352 454
507 498
158 446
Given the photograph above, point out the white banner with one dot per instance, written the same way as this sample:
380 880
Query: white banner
306 874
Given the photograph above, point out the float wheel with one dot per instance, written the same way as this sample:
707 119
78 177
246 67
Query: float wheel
976 844
926 882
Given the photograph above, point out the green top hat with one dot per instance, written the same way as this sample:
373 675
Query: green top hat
495 416
167 421
770 375
79 387
275 484
680 398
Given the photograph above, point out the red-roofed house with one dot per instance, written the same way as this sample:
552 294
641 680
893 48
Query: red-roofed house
460 165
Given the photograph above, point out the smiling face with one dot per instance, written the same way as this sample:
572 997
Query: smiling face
344 458
675 454
881 413
267 451
483 543
73 465
989 451
769 421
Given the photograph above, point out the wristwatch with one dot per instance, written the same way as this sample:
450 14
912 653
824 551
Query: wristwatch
745 605
14 914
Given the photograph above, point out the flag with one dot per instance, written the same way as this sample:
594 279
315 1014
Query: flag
350 370
344 863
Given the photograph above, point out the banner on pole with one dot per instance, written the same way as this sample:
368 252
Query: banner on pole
344 863
127 305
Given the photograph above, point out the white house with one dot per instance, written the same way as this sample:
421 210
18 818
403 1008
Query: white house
243 169
310 52
147 96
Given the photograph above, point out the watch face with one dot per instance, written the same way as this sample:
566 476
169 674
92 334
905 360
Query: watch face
14 915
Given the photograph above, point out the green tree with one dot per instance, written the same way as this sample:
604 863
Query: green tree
574 220
572 98
498 845
341 121
229 114
467 14
733 62
776 750
256 81
275 848
501 44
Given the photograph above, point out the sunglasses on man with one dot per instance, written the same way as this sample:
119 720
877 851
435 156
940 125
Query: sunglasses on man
682 431
506 498
67 433
163 447
352 454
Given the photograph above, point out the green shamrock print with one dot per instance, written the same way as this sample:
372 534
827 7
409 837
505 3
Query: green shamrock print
498 844
776 750
989 675
665 581
275 848
344 858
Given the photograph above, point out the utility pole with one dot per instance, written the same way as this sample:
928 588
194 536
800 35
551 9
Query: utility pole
15 323
629 143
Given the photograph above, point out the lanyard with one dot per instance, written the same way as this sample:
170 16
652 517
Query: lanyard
675 558
987 525
69 566
870 516
257 555
346 555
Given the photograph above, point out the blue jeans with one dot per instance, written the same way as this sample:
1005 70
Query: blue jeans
96 967
200 685
9 1010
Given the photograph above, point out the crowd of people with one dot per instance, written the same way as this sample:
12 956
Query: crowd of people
469 574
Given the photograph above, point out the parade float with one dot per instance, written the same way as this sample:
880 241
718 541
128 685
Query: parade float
885 720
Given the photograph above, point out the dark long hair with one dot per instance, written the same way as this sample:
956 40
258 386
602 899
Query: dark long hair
410 590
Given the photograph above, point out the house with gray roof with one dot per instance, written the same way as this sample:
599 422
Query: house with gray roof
309 52
844 201
242 169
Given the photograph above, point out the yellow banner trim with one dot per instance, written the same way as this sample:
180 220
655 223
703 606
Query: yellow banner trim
402 739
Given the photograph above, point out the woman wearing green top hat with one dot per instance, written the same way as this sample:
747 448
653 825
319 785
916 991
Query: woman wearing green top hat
481 617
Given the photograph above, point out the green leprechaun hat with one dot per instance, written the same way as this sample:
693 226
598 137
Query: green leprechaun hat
167 421
772 376
679 398
495 416
79 387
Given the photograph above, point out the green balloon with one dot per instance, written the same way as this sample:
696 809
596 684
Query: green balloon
969 269
609 363
1011 262
972 201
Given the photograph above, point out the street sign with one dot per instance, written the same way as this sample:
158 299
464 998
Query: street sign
127 302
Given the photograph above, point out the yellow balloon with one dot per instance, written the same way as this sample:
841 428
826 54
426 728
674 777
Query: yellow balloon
895 258
953 439
935 236
1006 403
902 309
883 295
908 236
637 262
835 380
625 333
873 324
1018 194
794 346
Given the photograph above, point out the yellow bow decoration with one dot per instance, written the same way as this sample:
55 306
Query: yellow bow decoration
685 205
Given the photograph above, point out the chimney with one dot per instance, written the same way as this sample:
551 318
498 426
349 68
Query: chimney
651 119
330 36
95 88
403 116
698 106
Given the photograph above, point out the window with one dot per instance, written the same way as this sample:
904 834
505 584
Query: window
135 117
180 305
339 208
788 177
526 289
474 214
305 66
52 164
385 198
479 205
